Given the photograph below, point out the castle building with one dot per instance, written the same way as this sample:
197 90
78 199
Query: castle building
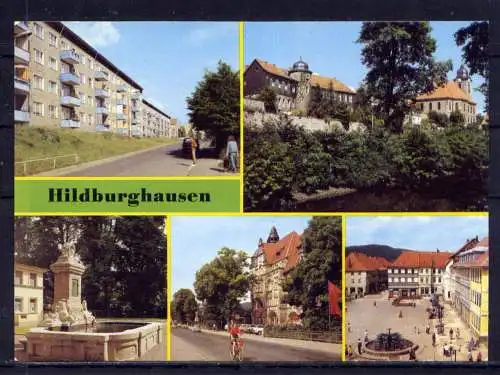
28 294
269 265
416 273
293 86
454 95
62 81
365 274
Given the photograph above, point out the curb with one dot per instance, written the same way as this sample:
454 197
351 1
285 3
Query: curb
74 168
250 338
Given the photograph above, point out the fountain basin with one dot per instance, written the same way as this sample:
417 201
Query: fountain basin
408 345
108 341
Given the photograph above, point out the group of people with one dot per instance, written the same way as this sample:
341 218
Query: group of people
231 156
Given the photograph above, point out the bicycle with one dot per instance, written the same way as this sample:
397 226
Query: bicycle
236 350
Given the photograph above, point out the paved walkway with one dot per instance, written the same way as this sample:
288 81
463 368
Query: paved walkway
303 344
363 315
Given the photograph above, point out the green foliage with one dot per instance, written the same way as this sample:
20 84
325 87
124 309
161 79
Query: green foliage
474 40
438 118
184 306
307 283
268 96
221 283
182 132
399 58
214 106
457 118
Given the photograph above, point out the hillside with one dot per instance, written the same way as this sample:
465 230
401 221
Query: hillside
387 252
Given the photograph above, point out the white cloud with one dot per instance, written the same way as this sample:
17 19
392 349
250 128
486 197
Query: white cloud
212 31
97 34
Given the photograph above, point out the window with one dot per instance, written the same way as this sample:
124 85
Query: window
38 82
91 64
33 305
82 97
90 101
430 106
439 106
18 278
64 45
52 40
37 109
53 87
39 31
52 111
39 57
52 63
82 78
91 82
18 304
84 60
33 280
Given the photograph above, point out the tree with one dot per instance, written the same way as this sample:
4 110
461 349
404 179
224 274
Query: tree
184 306
399 58
268 96
315 105
474 40
221 283
342 113
438 118
214 106
457 118
307 283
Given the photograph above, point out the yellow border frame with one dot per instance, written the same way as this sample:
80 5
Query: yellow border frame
168 233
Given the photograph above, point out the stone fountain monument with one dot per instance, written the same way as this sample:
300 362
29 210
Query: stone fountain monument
68 309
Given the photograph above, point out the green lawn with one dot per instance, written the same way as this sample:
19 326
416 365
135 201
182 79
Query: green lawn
40 142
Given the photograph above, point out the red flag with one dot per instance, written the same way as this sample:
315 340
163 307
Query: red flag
334 296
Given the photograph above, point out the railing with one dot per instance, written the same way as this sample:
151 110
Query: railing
53 159
333 336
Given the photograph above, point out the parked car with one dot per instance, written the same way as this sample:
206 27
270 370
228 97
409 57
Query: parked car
247 328
258 329
195 328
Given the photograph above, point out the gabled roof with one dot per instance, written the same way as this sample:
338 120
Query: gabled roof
357 262
26 267
316 80
450 90
287 248
422 259
480 261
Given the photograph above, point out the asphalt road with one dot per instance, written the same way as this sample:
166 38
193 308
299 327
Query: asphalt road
198 346
163 161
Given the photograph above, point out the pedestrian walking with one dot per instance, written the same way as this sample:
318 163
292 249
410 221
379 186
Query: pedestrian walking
469 356
360 346
232 153
451 333
458 333
428 329
375 303
350 352
194 146
348 326
366 335
479 357
433 339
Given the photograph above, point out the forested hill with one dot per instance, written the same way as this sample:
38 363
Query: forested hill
387 252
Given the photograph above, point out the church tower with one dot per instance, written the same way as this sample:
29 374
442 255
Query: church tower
273 236
463 80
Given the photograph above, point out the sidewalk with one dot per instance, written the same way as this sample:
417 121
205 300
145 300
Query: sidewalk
301 344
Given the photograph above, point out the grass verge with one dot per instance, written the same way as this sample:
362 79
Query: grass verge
41 142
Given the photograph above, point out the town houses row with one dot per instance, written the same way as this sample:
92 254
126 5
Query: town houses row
294 88
461 278
62 81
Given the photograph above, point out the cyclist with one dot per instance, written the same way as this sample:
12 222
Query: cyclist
234 334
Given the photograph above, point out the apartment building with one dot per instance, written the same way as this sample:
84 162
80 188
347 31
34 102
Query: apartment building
365 274
469 286
28 294
62 81
155 122
269 265
417 273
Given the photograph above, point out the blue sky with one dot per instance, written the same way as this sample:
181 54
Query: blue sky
166 58
425 233
330 49
196 240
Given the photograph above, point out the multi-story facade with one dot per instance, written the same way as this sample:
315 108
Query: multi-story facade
469 286
365 274
155 123
416 273
454 95
270 265
62 81
294 86
28 294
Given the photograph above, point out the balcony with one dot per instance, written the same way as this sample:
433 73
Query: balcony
21 116
136 95
121 101
135 108
21 86
70 123
102 110
21 56
70 101
101 93
70 79
121 88
20 27
135 121
102 127
69 57
121 116
101 76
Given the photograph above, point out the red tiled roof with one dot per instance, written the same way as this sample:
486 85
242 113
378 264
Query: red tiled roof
481 261
287 248
422 259
356 262
450 90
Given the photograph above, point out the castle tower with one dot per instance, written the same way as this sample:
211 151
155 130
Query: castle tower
463 80
273 235
300 72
